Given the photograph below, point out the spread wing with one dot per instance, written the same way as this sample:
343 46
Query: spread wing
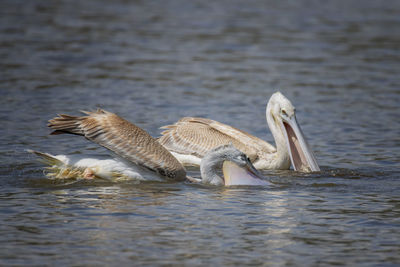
123 138
196 136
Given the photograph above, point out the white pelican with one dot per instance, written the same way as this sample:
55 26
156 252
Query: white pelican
190 138
140 156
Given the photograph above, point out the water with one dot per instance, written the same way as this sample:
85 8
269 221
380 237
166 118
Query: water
153 62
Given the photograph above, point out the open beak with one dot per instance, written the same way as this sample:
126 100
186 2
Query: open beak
235 175
300 152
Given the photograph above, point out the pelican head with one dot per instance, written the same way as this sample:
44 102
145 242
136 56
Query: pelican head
236 167
281 118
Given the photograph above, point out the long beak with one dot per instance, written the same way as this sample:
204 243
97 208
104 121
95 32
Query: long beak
300 152
235 175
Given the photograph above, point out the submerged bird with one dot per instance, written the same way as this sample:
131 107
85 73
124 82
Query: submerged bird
140 156
191 138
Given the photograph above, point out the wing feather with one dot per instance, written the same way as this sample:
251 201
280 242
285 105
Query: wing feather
123 138
196 136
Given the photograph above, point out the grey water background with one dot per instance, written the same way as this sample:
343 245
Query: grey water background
154 62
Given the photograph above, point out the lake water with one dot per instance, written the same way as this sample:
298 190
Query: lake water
154 62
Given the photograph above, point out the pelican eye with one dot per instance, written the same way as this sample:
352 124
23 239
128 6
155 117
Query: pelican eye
284 113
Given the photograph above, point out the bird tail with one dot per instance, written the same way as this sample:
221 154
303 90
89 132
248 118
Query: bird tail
56 168
46 158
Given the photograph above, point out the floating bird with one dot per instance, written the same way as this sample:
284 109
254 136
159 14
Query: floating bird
139 156
191 138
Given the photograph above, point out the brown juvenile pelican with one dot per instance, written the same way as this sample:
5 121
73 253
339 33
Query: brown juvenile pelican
190 138
140 156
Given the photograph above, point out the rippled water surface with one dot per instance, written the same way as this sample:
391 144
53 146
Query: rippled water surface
154 62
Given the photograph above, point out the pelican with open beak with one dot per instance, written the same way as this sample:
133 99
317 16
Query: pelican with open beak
289 138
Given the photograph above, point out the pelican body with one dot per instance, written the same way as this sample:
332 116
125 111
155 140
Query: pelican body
190 138
138 155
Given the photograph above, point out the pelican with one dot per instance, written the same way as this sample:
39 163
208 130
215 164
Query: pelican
190 138
139 156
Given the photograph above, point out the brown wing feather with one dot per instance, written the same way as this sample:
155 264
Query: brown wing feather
196 136
123 138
